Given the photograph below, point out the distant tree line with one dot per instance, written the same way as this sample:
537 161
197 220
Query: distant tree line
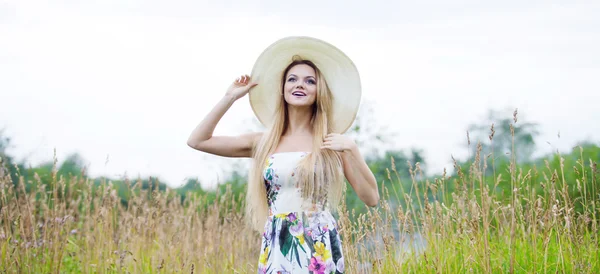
492 146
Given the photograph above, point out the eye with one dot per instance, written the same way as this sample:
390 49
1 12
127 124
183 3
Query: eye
291 79
311 81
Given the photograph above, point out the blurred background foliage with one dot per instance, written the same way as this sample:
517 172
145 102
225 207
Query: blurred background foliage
492 140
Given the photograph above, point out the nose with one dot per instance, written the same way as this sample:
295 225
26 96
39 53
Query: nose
300 85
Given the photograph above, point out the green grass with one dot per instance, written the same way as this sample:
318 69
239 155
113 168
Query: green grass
548 223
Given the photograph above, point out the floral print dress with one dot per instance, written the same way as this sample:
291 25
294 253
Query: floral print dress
298 237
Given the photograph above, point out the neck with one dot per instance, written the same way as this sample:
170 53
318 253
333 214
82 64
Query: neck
299 120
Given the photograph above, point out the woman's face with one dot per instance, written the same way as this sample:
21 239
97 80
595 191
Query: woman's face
300 88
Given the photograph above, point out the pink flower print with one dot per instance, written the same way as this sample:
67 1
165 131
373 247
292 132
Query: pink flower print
316 265
284 271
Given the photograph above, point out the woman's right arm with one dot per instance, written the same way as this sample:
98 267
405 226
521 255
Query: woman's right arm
202 138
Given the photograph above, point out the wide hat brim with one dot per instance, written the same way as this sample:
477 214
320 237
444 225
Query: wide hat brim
339 72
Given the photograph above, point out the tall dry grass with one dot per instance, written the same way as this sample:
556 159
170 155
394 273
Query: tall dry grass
70 227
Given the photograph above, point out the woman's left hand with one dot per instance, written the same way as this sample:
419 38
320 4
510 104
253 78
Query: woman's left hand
338 142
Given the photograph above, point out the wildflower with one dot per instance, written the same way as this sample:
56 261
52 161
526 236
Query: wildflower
316 265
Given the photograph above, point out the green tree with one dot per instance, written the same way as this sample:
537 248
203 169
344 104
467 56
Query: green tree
497 134
74 165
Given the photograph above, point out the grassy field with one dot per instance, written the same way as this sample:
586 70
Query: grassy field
69 227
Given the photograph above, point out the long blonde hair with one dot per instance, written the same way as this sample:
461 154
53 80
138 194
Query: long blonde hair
320 173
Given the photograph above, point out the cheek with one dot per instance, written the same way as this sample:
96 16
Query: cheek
287 86
313 90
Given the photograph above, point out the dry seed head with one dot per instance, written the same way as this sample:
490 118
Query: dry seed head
576 170
515 115
478 154
468 139
388 174
567 222
433 187
438 208
492 132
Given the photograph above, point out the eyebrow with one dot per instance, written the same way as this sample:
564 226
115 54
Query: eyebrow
297 76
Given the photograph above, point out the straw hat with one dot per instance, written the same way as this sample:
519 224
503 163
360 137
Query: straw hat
339 72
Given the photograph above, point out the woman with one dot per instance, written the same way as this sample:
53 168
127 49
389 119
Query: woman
306 92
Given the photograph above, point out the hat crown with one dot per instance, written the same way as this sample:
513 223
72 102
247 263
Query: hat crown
340 73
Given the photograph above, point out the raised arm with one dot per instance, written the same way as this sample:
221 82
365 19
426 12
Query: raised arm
356 170
202 138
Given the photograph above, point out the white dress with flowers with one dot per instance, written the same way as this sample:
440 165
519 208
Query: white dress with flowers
299 237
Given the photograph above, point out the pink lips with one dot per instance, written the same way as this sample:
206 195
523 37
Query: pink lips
298 93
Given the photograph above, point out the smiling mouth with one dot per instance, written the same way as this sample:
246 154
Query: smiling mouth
299 93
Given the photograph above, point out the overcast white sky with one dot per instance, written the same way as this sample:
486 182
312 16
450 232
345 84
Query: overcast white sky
129 80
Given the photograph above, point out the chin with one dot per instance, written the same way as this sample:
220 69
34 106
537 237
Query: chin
300 104
303 103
